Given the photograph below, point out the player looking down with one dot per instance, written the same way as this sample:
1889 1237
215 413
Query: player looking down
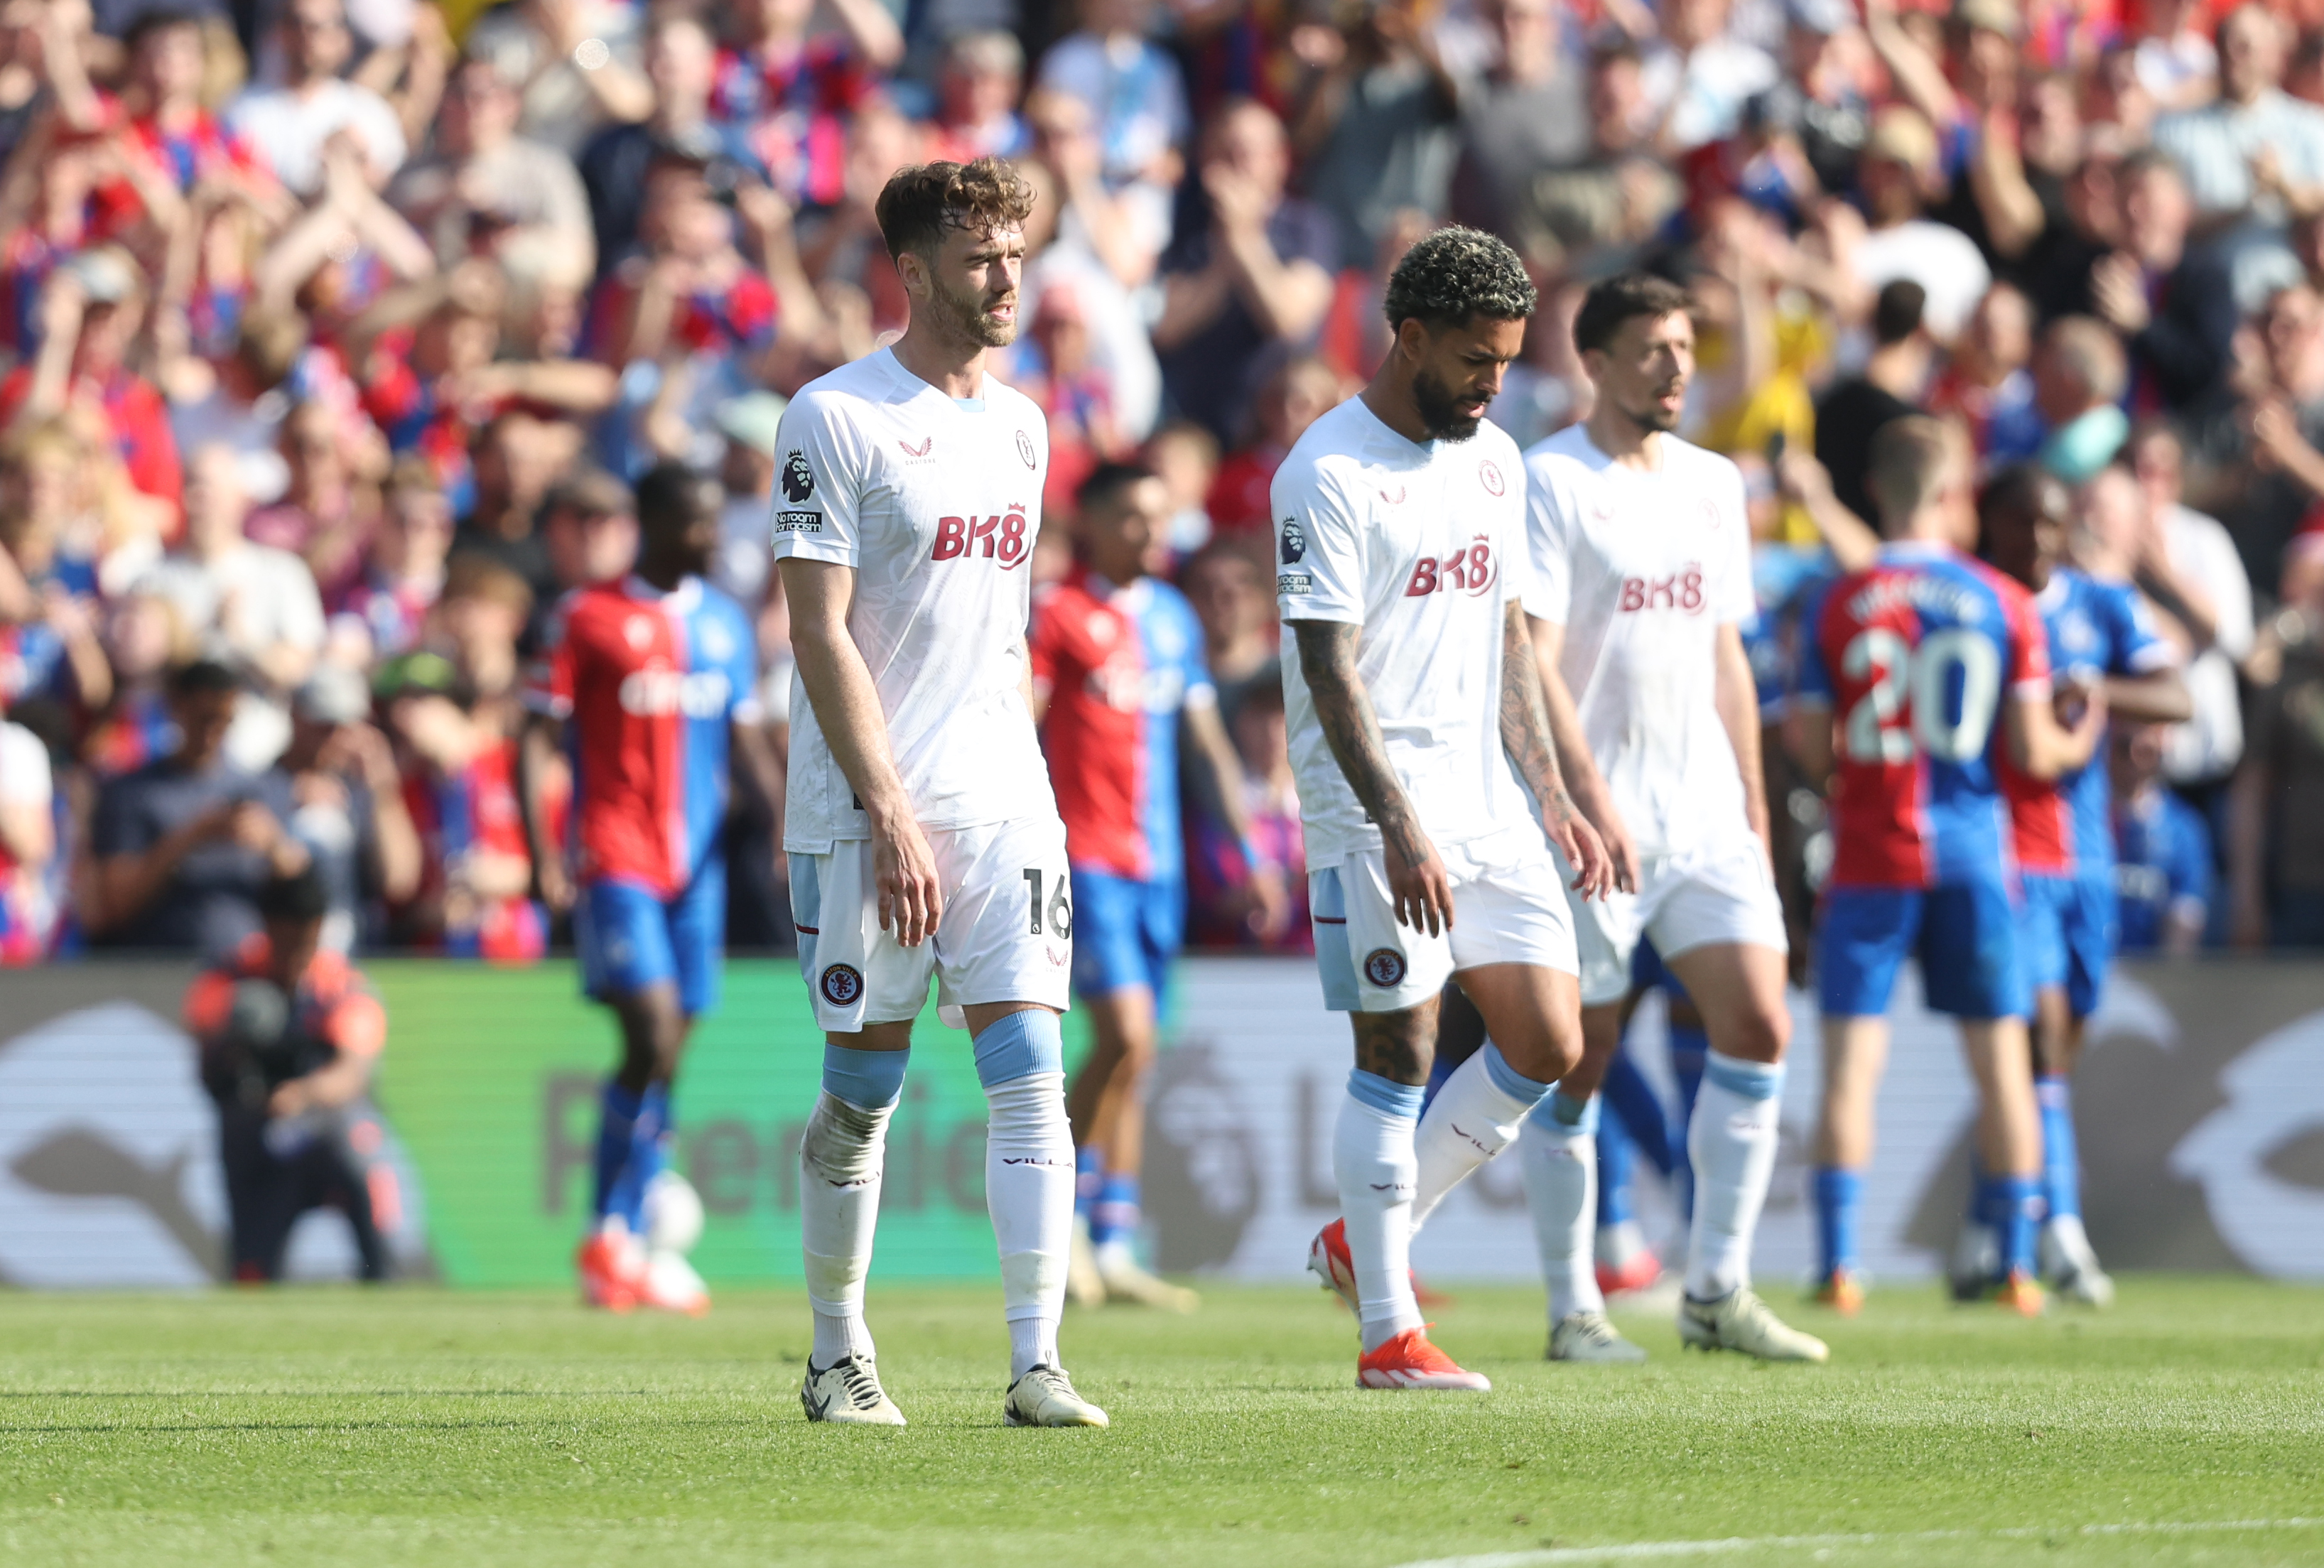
924 837
1400 535
647 681
1919 670
2099 637
1117 670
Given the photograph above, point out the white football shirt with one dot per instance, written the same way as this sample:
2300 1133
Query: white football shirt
1642 569
1424 548
935 504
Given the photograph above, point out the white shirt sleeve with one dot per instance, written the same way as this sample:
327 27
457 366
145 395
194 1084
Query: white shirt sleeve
1549 586
819 487
1319 549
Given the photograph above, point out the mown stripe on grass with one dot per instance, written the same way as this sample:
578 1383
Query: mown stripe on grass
1632 1550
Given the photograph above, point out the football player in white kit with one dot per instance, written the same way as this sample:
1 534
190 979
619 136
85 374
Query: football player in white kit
1641 556
1400 531
923 835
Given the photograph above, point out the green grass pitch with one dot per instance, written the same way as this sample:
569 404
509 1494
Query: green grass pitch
412 1427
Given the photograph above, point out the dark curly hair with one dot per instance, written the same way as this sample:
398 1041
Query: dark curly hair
919 203
1456 273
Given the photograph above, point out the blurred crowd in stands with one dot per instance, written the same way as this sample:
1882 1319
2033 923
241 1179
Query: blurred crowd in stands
332 331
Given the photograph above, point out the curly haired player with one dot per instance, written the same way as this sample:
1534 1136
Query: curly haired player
1400 531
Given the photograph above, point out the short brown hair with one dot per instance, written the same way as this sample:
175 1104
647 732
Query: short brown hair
472 575
918 203
1616 299
1910 460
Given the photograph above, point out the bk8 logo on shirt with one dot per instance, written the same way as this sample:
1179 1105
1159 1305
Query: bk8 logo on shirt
999 538
1470 570
698 694
1680 591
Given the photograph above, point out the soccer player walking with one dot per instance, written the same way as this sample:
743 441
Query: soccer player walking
1918 672
1400 534
923 835
2098 635
650 680
1117 670
1641 554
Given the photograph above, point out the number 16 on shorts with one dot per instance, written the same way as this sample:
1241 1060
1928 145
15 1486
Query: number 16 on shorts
1006 932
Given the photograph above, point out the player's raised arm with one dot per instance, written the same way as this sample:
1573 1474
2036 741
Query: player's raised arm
1525 736
1416 875
846 704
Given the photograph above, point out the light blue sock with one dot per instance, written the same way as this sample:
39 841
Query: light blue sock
1559 1110
865 1079
1019 1046
1386 1094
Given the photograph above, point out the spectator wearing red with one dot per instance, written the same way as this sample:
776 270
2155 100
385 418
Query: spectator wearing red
1291 398
790 92
459 785
91 309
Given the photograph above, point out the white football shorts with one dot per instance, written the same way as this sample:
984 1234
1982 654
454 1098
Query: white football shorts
1508 907
1006 932
1719 895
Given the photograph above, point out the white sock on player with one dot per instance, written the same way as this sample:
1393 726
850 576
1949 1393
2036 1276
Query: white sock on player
1373 1161
1732 1143
840 1161
1475 1115
1028 1187
1559 1158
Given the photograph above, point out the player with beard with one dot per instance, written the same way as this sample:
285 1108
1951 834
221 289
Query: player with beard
1400 531
923 838
1642 588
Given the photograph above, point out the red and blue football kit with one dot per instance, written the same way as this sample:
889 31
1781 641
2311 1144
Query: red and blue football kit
650 683
1118 665
2064 829
1914 657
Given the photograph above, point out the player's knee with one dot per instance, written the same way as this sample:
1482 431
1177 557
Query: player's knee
1754 1034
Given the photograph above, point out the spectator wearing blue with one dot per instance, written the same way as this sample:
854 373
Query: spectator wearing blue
2163 850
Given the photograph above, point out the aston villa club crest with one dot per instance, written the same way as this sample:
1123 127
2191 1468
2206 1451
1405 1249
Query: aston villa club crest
1384 967
842 985
798 479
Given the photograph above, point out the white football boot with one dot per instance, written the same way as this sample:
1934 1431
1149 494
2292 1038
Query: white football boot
1740 1321
1589 1336
1045 1397
847 1393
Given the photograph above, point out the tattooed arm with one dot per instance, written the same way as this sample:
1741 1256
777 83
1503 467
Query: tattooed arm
1416 875
1525 735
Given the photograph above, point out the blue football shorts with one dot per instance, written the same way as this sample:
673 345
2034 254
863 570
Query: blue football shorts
631 937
